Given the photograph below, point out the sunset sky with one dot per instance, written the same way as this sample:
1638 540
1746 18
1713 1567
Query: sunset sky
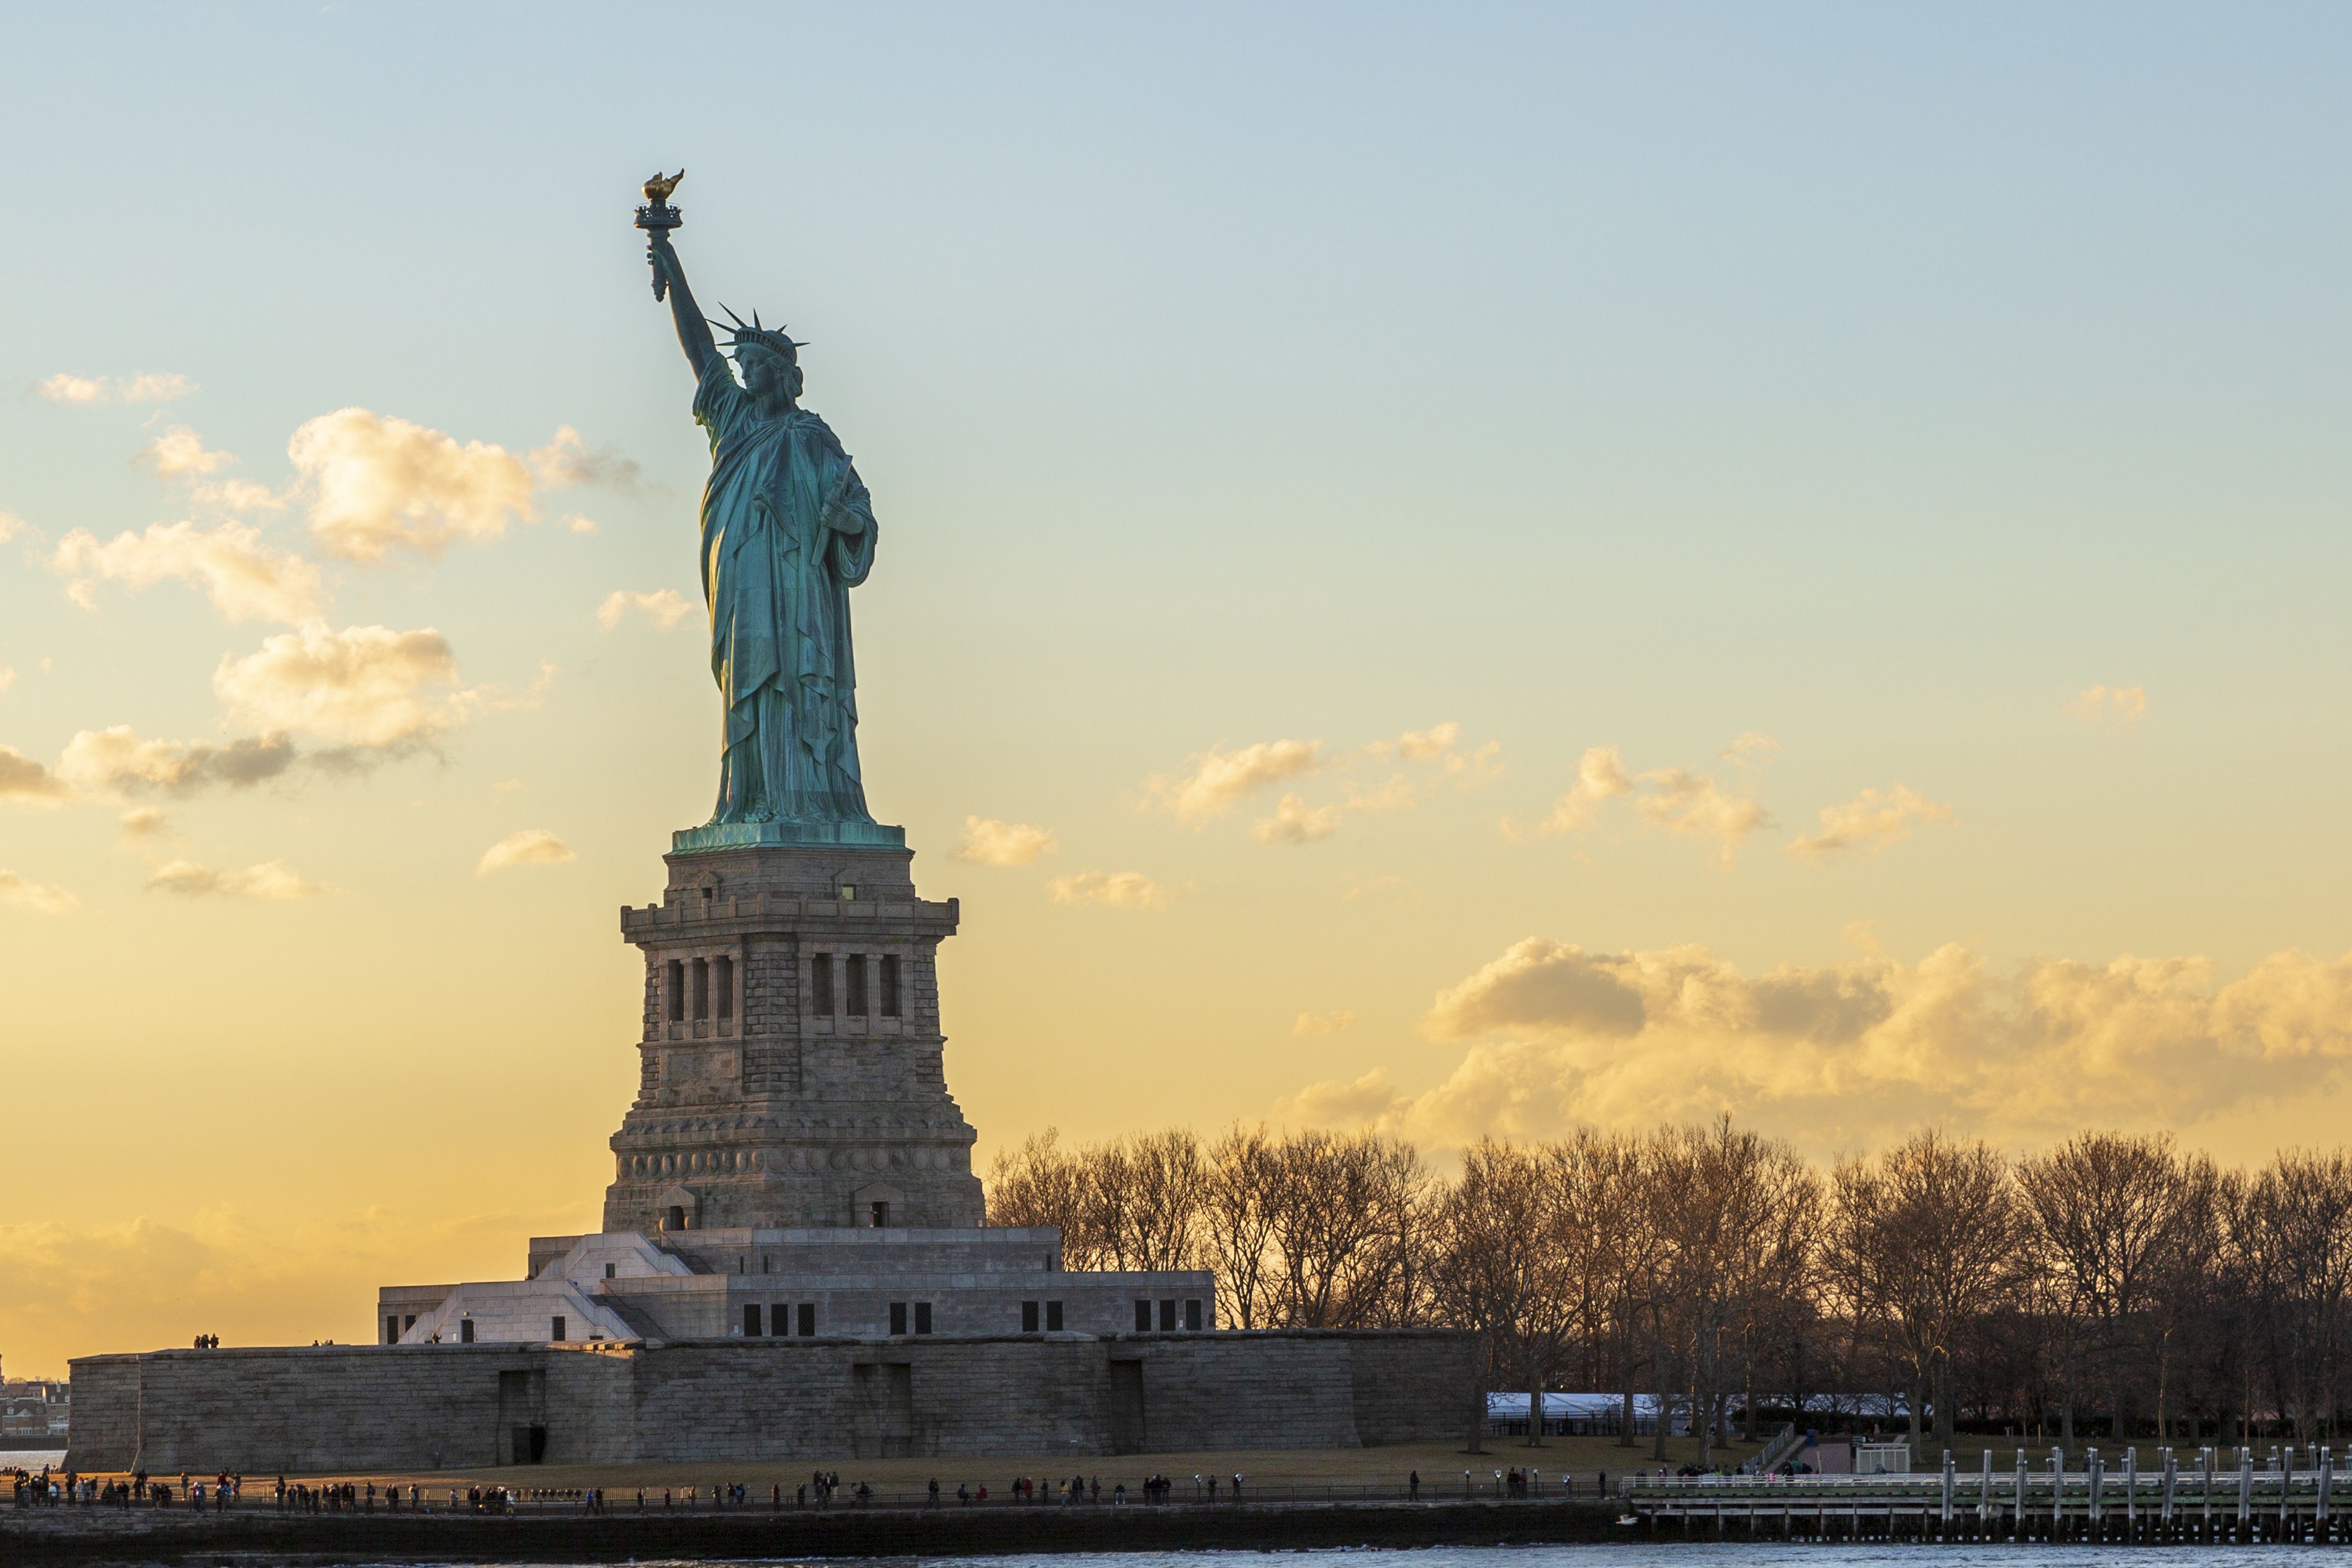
1454 570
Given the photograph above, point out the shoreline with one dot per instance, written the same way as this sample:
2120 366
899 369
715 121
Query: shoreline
100 1537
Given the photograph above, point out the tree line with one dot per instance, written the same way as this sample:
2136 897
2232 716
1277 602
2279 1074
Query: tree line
2114 1284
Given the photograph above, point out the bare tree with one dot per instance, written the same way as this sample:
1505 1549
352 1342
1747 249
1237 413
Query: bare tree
1237 1222
1037 1184
2105 1207
1498 1272
1141 1199
1924 1240
2298 1233
1342 1213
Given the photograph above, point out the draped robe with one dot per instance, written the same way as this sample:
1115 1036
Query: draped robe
776 574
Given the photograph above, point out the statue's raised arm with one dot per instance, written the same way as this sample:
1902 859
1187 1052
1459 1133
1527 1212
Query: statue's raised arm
693 331
787 531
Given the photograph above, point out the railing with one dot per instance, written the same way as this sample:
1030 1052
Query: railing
2206 1492
1787 1441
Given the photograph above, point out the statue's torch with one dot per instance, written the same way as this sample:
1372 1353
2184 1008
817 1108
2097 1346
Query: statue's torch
658 217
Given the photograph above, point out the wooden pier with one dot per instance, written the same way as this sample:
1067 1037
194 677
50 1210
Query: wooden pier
2204 1496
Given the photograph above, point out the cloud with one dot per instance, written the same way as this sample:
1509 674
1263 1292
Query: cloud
88 1277
1419 744
532 846
1477 768
1293 823
181 450
144 825
270 882
181 454
1871 821
566 460
1118 889
1850 1054
1216 780
364 685
244 579
379 484
1321 1023
25 782
578 524
1219 780
1541 984
108 761
987 841
1471 769
1692 806
8 677
1599 776
1369 1100
1750 743
145 387
40 897
663 607
241 495
2110 708
11 525
1674 801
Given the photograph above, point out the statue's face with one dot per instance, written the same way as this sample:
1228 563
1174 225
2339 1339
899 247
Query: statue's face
758 369
767 374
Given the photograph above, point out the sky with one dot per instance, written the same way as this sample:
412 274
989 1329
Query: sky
1454 570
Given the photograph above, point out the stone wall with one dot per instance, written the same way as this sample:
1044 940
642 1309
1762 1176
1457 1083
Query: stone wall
350 1407
1417 1385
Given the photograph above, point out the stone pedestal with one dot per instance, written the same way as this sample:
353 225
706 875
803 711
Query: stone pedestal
791 1071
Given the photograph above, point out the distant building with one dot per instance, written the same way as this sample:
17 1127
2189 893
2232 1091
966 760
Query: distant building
35 1413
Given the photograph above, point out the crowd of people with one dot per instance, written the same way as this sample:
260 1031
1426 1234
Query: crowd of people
52 1487
824 1489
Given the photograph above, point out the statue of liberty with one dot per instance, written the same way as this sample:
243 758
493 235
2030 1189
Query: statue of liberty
787 531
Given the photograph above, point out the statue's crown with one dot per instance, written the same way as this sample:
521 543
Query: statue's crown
760 337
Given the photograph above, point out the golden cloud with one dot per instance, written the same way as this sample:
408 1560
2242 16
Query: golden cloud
271 881
180 451
1675 800
1600 776
1848 1054
147 386
25 782
41 898
567 460
379 484
1219 780
364 686
1368 1101
1294 822
665 607
1117 890
988 842
532 846
105 761
2111 708
1871 821
244 579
